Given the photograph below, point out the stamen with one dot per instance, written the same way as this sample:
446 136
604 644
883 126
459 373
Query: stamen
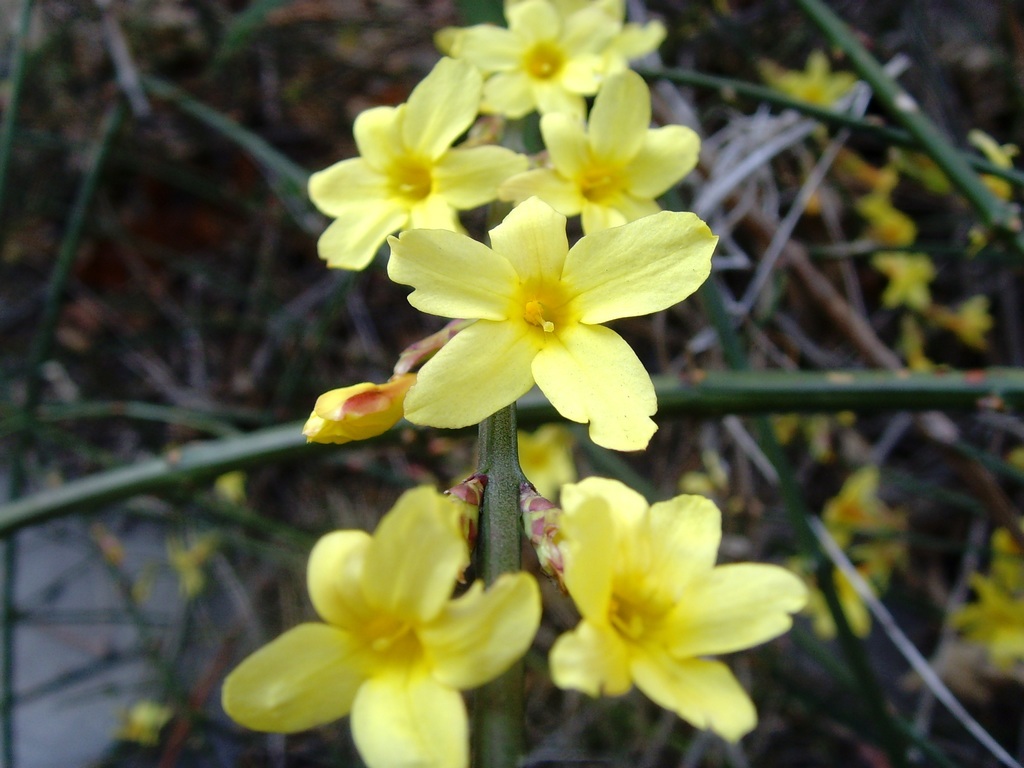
533 313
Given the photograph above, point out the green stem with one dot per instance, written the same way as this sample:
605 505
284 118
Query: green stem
717 392
498 710
904 110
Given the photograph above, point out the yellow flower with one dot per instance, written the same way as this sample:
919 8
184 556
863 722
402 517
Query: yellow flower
543 61
654 604
970 322
854 609
912 345
538 307
545 457
1000 155
611 170
189 562
358 412
395 649
1007 561
816 84
143 722
408 175
231 487
995 619
887 225
856 508
909 275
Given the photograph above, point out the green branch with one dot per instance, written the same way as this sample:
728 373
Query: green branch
715 393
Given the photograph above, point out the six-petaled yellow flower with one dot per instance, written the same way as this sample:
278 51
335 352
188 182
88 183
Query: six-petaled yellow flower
358 412
408 174
395 649
611 170
654 604
539 306
543 61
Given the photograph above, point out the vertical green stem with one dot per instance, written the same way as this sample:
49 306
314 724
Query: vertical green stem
498 739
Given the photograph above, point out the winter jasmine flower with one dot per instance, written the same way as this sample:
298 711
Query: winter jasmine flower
394 649
611 170
408 174
655 605
539 306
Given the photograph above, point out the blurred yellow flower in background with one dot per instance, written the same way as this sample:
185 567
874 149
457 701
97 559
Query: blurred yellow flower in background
395 649
408 175
815 84
909 275
1000 155
854 609
654 604
545 456
970 322
539 308
190 561
611 170
143 722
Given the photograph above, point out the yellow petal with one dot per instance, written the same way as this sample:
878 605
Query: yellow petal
480 635
453 275
667 155
598 216
533 20
620 118
567 144
441 107
307 677
592 659
590 374
358 232
704 693
434 212
509 94
342 185
467 178
378 136
334 578
406 718
684 533
484 368
489 48
416 554
532 239
553 97
639 268
554 189
596 513
734 607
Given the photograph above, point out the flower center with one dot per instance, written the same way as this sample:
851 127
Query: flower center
389 636
599 184
544 306
631 619
543 61
533 313
410 179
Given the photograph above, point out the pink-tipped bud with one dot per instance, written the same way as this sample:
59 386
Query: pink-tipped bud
358 412
419 352
469 495
541 523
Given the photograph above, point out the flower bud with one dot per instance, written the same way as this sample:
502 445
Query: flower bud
541 523
358 412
